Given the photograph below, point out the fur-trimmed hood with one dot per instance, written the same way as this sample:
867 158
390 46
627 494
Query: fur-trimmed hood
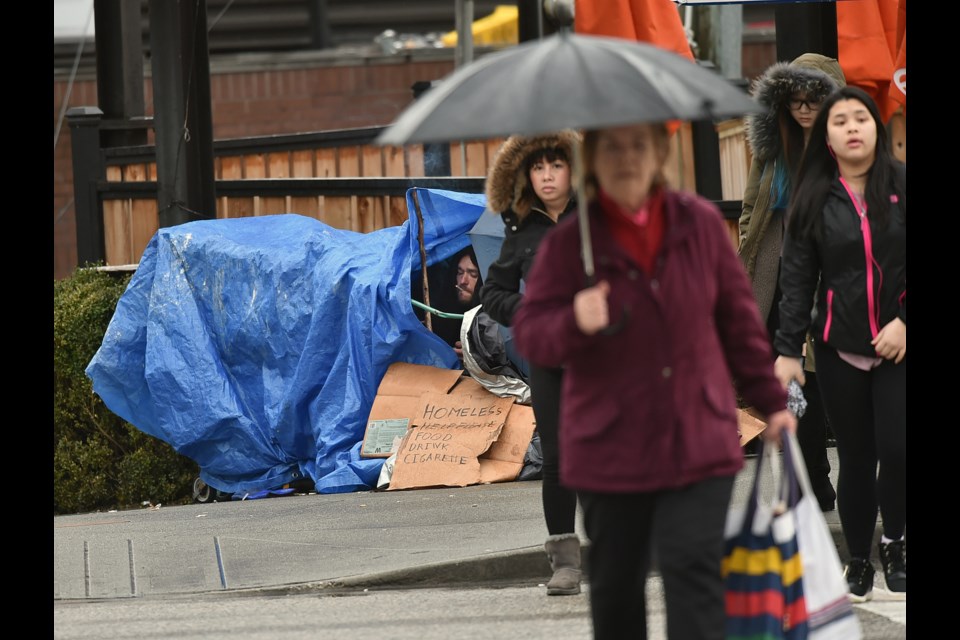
811 73
507 181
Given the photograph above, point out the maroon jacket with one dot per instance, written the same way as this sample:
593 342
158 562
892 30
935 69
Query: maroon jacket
652 406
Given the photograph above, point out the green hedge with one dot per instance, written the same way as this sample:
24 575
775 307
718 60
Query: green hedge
100 461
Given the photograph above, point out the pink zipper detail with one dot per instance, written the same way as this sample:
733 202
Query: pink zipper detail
826 326
868 252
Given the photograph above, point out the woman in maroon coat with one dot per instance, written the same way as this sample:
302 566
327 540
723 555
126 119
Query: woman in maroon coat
648 428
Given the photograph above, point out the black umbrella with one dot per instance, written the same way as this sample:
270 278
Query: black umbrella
567 80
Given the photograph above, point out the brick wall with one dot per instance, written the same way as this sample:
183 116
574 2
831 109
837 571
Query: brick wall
255 103
308 97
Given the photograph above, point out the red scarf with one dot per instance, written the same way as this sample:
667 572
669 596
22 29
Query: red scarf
640 232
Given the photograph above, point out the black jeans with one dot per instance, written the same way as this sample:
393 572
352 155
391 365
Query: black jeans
559 503
685 528
868 414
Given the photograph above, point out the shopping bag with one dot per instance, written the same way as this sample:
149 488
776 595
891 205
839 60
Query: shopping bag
829 611
762 568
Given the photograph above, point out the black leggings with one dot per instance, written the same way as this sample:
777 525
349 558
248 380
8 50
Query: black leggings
559 504
679 530
868 415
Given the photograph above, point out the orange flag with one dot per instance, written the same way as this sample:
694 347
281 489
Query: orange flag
654 21
871 38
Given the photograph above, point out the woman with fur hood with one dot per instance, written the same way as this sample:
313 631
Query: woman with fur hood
529 185
792 93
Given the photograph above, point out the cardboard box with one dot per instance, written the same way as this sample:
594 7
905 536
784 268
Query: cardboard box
749 424
454 431
396 402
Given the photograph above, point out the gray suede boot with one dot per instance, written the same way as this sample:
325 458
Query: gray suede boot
564 553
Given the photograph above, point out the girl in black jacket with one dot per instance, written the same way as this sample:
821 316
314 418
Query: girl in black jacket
530 186
845 250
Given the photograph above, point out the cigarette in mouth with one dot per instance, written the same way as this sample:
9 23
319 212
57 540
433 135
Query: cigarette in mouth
459 288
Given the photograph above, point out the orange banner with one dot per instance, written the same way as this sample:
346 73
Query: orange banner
654 21
871 47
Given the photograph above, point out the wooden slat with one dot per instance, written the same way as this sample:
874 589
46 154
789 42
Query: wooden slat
733 158
397 213
393 162
152 171
679 168
144 222
477 158
415 161
114 174
116 231
231 168
336 211
302 164
254 166
369 214
326 163
278 164
134 173
273 205
456 159
238 207
348 162
305 206
371 165
493 146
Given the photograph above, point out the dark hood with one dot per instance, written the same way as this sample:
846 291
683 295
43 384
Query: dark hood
813 74
507 179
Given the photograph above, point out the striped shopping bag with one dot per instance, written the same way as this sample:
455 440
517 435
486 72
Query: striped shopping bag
762 567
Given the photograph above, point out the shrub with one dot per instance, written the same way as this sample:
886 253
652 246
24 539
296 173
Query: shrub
101 461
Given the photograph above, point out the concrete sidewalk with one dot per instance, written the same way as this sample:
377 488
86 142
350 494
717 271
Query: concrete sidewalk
446 536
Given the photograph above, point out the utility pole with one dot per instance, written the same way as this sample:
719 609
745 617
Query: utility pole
806 27
181 102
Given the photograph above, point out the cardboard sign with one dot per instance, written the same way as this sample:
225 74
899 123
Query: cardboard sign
447 437
749 425
395 405
504 459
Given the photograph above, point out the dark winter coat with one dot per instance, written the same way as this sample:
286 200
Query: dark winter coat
837 259
760 241
653 405
524 217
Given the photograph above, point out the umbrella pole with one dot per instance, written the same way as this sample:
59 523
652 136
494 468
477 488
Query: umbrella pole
423 260
586 246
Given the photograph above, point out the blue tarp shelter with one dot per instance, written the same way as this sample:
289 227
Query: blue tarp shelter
255 346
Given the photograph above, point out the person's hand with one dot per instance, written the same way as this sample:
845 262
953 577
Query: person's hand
776 423
891 342
458 349
787 369
590 308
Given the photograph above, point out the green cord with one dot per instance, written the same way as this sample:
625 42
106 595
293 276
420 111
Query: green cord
441 314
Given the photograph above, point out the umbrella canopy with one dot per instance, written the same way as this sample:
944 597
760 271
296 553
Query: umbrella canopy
564 81
486 236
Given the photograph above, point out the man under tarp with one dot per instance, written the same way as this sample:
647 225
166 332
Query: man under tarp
255 346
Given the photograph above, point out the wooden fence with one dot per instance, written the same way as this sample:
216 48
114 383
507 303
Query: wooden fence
340 178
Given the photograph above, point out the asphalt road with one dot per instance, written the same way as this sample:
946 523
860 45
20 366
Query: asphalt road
509 611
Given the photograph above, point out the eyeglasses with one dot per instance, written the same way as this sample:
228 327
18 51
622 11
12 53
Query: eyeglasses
813 105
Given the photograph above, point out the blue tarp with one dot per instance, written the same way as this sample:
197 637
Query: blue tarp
255 346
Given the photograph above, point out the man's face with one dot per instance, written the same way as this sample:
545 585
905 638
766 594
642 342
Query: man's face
467 277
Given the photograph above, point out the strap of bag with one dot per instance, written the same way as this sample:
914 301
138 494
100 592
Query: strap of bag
793 454
785 487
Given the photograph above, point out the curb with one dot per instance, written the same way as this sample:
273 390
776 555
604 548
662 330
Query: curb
527 564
